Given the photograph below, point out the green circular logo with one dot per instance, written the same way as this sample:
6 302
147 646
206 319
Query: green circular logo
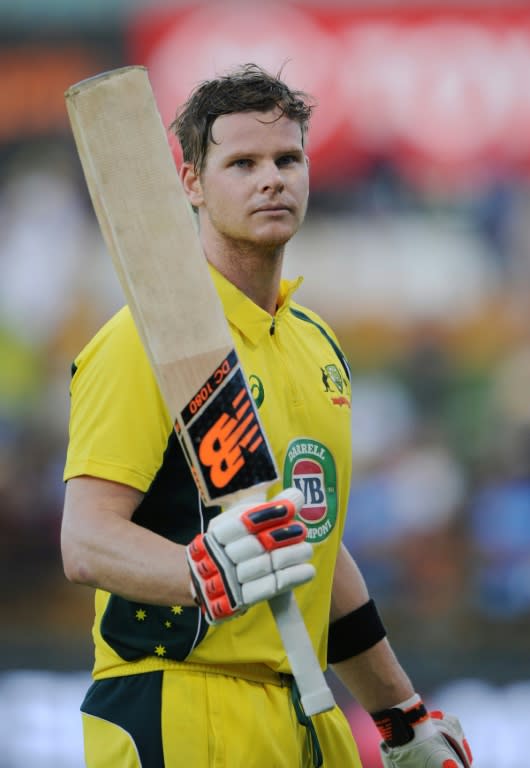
256 389
310 467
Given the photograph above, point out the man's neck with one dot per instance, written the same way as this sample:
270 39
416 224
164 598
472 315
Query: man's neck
255 271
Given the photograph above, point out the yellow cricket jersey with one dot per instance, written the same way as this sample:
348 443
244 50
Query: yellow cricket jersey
120 430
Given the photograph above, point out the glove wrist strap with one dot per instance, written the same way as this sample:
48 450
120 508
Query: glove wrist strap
400 724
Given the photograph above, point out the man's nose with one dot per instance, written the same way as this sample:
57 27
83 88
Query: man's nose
272 179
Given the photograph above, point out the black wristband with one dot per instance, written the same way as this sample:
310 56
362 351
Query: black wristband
354 633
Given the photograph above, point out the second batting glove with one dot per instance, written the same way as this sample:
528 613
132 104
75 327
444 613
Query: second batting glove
415 738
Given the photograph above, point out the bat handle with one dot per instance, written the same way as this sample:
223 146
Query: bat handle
315 694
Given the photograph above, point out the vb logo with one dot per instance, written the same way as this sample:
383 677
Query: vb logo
309 465
221 447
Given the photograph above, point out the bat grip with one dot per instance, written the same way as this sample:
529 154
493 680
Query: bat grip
315 694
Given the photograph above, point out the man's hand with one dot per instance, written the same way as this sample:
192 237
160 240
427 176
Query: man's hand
250 554
445 747
415 738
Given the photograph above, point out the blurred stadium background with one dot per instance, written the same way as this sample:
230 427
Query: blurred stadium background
416 249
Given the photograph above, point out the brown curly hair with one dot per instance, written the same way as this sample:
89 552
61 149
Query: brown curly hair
248 88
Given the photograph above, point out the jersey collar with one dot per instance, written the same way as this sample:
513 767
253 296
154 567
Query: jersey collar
250 320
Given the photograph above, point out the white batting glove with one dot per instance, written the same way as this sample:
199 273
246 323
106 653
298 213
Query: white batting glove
414 738
250 554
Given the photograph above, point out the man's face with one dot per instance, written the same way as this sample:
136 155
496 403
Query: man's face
254 186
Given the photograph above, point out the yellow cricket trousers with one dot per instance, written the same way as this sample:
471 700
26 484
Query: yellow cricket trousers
196 719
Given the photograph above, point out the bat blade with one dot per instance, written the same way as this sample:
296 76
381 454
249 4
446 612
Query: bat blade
149 230
150 234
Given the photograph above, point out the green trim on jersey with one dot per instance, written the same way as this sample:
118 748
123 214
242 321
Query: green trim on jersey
338 351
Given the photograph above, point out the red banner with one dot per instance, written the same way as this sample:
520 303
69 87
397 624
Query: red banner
440 92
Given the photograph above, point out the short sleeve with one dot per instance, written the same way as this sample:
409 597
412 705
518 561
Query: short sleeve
119 425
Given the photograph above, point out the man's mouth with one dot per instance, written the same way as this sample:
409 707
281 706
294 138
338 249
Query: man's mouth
272 209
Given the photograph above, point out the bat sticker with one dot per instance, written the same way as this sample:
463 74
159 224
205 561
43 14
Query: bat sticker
225 432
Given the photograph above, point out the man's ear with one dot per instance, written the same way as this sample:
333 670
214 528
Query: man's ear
192 184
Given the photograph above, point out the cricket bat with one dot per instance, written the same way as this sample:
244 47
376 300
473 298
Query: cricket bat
150 233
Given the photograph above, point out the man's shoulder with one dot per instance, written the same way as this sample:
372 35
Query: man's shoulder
117 336
305 314
120 322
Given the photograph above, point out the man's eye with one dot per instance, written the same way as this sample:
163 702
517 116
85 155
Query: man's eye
286 160
242 162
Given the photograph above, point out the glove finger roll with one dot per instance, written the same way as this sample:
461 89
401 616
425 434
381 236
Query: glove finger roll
293 555
275 583
259 589
269 515
285 536
254 568
244 549
294 576
226 528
